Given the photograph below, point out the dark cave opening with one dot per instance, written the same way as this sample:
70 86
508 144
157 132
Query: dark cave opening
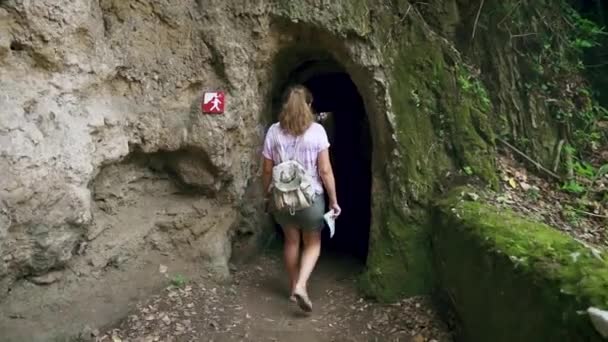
349 133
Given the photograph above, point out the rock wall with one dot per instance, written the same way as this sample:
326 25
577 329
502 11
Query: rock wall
90 86
513 279
105 156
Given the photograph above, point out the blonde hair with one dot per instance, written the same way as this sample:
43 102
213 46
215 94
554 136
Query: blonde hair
296 115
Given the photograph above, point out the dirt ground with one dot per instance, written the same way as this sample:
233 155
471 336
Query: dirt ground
254 306
583 216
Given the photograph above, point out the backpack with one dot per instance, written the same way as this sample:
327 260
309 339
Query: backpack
292 188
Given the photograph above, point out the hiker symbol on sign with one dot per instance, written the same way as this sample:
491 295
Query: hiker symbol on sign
213 102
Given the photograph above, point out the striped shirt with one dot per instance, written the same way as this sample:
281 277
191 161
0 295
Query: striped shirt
280 146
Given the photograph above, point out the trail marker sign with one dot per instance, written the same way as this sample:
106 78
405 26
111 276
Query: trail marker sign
213 102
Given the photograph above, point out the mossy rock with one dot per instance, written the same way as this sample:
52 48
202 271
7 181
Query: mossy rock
438 127
400 264
439 124
512 279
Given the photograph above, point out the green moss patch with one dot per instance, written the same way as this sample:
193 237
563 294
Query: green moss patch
400 264
440 115
512 279
440 124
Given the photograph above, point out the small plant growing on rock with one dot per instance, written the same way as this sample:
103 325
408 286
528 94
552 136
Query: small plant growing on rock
473 86
179 280
533 194
571 215
573 187
415 98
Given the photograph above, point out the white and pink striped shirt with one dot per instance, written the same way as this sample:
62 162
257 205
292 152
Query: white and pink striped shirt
279 143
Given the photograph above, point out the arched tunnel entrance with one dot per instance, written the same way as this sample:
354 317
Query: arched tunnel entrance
349 133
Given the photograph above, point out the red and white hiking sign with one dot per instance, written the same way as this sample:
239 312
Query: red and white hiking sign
213 102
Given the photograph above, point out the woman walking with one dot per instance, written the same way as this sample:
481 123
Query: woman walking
298 135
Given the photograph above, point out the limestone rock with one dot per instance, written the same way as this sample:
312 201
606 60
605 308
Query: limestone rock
599 318
85 88
194 169
46 279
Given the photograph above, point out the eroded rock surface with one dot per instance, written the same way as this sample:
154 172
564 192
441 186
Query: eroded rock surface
89 84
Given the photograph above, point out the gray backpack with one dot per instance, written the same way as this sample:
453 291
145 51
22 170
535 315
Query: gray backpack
292 188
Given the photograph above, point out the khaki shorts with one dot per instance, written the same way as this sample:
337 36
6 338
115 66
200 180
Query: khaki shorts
310 218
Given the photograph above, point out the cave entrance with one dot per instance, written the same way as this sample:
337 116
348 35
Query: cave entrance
349 134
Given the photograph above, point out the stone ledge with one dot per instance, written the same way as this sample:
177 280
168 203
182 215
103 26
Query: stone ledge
512 279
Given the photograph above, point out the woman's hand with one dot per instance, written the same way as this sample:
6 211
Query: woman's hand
336 208
327 175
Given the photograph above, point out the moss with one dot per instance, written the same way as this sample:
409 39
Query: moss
537 243
422 156
513 279
436 126
472 150
400 262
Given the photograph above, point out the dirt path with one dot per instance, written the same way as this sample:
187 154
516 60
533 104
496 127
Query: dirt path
254 307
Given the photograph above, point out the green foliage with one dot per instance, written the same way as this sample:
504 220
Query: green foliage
582 172
583 118
473 86
601 172
555 54
574 187
584 169
533 194
178 280
587 134
571 215
587 34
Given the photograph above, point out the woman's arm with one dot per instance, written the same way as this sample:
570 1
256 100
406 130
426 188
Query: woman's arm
327 175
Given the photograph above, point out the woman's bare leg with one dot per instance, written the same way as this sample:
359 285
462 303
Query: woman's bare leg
291 253
310 255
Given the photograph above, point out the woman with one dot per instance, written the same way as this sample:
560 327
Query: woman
297 132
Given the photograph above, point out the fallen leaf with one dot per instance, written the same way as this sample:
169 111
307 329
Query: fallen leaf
418 338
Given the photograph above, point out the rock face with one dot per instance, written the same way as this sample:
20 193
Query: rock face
99 119
104 152
524 271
